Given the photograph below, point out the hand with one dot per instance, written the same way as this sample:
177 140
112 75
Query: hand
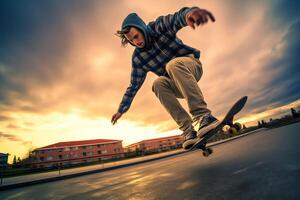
115 118
199 17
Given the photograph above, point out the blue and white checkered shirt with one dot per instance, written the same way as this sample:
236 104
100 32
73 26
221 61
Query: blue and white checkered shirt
165 45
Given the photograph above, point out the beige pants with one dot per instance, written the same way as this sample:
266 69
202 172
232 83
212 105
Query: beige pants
184 74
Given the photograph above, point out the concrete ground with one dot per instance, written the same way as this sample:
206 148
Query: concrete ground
264 165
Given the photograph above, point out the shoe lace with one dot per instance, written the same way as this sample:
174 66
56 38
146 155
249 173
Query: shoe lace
203 120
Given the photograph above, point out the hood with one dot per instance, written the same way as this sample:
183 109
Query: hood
134 20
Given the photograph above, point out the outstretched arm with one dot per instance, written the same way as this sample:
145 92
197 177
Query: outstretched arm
172 23
138 76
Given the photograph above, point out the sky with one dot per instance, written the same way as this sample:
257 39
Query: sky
63 72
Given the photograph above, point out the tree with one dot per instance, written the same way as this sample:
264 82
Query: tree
15 160
294 113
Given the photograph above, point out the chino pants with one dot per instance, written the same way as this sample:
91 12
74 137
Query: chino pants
184 73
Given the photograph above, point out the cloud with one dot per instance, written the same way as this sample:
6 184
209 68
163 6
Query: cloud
284 12
12 126
10 137
4 118
282 66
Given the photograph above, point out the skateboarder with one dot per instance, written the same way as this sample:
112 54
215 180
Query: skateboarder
159 50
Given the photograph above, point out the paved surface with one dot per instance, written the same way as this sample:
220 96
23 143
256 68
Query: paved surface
78 170
264 165
38 178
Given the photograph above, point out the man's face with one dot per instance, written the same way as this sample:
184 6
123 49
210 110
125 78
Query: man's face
136 37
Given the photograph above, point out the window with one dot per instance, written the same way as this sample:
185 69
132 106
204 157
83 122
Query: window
104 151
60 156
99 152
41 158
84 153
49 158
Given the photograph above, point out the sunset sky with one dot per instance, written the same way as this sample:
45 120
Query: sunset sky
63 72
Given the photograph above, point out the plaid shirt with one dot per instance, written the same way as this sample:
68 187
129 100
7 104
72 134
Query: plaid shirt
165 45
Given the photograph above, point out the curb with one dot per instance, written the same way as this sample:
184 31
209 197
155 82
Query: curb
57 178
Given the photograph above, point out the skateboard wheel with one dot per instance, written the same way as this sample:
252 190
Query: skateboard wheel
210 150
207 152
233 131
225 129
237 126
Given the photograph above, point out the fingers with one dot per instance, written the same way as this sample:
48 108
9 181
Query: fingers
210 15
201 20
115 118
113 121
191 22
200 17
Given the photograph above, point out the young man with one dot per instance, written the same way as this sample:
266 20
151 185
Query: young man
159 50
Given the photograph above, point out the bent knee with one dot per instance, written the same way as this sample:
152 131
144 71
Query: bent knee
158 83
173 64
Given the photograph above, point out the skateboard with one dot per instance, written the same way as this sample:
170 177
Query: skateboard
201 142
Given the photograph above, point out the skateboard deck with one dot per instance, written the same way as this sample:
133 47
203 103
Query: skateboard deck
227 120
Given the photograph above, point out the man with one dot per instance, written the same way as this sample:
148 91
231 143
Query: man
159 50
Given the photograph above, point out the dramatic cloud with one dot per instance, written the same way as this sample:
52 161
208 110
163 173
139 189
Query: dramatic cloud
4 118
12 126
10 137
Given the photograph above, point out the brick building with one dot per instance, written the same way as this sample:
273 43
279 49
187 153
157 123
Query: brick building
76 152
157 145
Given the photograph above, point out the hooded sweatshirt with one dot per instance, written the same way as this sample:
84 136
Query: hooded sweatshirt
161 45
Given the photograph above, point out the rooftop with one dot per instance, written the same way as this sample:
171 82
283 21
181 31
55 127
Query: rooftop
156 139
79 143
